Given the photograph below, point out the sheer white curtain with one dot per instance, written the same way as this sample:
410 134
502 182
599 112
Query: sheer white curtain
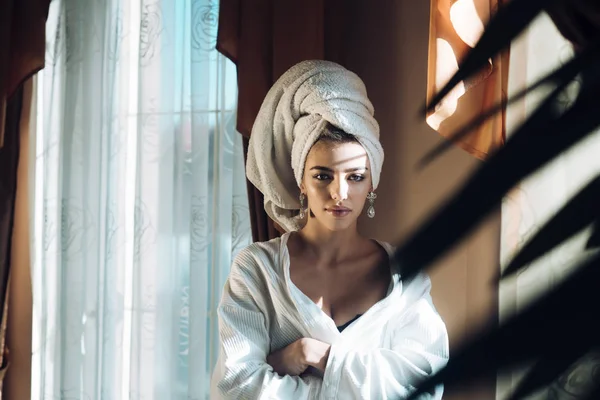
538 51
140 199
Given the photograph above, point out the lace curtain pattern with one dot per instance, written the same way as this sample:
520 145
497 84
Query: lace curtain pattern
140 199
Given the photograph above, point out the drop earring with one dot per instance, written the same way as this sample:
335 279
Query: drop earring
371 210
302 198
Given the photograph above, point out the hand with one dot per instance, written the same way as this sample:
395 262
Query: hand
289 360
316 353
295 358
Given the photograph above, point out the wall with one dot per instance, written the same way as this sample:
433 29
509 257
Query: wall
386 44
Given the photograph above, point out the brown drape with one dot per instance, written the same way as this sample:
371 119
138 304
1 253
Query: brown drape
19 303
22 46
455 26
9 159
264 38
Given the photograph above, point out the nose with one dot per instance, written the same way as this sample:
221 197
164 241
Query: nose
339 190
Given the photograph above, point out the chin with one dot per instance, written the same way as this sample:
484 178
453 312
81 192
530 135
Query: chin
337 225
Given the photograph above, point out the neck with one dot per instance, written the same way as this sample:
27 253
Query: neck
329 245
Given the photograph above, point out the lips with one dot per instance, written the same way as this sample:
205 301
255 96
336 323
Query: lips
339 212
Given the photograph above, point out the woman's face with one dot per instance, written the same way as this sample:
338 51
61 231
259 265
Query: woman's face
336 182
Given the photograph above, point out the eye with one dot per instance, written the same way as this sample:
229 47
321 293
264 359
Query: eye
321 177
356 177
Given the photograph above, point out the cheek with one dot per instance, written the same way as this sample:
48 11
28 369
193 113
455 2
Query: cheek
316 193
360 190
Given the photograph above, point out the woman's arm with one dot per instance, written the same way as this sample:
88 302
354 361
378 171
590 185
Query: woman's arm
242 370
295 358
419 349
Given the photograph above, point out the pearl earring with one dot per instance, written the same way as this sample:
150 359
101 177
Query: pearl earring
371 210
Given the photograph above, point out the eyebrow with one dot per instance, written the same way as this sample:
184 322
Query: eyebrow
327 169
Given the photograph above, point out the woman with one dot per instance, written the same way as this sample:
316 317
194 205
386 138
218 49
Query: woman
320 313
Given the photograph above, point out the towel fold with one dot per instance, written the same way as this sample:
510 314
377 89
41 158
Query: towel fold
292 117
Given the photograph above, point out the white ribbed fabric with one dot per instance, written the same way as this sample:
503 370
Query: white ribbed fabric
382 355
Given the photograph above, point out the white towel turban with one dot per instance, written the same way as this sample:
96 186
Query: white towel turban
292 117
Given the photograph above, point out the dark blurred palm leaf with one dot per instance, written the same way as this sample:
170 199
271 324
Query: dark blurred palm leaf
539 140
577 20
533 334
547 369
594 394
579 212
560 77
594 240
564 316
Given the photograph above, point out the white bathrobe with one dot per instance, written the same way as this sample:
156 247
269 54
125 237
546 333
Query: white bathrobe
382 355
